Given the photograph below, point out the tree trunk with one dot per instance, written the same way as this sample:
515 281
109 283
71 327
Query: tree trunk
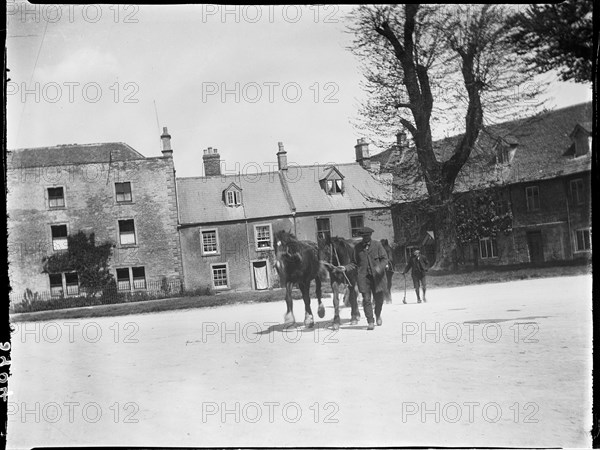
446 247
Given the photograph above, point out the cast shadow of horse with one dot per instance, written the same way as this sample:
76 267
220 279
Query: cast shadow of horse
298 263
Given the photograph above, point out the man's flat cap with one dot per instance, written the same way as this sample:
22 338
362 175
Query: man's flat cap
365 231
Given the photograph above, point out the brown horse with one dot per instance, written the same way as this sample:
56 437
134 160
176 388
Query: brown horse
298 262
336 252
389 270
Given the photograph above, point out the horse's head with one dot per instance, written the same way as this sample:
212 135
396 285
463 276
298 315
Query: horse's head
287 247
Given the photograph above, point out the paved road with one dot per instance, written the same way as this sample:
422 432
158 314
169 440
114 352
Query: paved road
489 365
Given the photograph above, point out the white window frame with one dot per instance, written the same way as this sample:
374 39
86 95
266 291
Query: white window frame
212 275
66 238
331 190
130 193
129 282
256 238
491 249
64 197
210 253
589 240
532 189
67 285
62 287
579 183
317 225
362 216
133 279
236 197
135 238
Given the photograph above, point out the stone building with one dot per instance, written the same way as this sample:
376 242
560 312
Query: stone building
227 222
108 189
541 168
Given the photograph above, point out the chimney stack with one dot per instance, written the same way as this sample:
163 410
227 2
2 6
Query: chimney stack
212 162
362 153
167 151
400 146
282 157
401 139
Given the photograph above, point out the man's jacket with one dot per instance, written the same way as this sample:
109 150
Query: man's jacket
419 265
371 259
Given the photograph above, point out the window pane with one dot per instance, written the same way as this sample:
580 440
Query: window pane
338 185
59 231
263 236
123 191
126 226
123 279
209 241
56 197
220 275
56 288
72 284
139 277
126 232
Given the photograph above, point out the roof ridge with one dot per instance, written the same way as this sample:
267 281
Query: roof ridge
74 145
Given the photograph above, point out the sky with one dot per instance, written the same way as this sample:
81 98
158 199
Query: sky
236 78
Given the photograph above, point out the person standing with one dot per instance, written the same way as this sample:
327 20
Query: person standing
371 261
419 265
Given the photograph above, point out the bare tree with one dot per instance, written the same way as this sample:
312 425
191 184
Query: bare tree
426 64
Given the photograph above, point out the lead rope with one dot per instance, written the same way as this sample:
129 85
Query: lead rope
338 260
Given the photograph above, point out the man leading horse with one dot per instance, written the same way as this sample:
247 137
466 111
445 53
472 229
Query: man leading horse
371 262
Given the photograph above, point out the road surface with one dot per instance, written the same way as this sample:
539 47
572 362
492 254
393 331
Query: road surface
489 365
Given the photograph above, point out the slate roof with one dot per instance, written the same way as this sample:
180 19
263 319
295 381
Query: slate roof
201 198
72 154
541 142
361 189
280 193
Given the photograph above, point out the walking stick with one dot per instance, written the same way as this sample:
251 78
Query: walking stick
404 299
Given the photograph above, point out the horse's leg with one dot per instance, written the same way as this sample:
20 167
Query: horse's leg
289 315
309 321
336 305
321 310
354 305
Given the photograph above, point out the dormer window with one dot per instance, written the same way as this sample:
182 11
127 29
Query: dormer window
334 186
506 149
582 140
333 181
233 195
233 198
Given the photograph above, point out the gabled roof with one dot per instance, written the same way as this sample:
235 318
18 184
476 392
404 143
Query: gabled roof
281 193
329 173
541 142
61 155
201 198
361 189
